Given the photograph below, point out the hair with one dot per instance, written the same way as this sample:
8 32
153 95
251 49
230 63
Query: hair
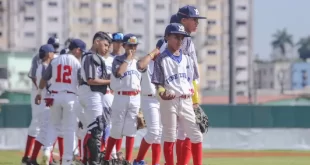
102 36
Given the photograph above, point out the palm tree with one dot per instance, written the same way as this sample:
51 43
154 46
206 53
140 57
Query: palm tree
281 39
304 48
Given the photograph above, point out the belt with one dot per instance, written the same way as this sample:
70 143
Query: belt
64 91
185 96
128 93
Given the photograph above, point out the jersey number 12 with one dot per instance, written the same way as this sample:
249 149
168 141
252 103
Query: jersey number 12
63 74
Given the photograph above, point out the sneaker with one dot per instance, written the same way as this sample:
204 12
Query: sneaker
141 162
34 162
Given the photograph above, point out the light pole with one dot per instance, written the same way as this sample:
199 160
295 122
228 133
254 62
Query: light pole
232 44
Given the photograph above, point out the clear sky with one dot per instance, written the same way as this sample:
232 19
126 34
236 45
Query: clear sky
270 15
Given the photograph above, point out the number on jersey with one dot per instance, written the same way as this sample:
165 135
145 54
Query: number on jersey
64 73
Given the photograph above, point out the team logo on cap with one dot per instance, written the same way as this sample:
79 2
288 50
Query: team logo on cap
132 40
196 11
181 29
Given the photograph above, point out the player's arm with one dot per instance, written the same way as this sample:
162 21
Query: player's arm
118 67
33 69
47 75
90 73
144 62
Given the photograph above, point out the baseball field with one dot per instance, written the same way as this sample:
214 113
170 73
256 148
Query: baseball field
214 157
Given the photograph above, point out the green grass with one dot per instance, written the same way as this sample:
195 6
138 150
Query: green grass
213 157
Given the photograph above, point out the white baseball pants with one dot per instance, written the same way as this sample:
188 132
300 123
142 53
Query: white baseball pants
34 127
150 109
62 112
124 116
179 111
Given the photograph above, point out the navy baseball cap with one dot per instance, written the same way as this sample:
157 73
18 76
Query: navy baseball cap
174 18
44 49
77 43
176 28
130 39
64 51
53 40
117 37
160 43
189 11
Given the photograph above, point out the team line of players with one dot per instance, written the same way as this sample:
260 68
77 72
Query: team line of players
105 91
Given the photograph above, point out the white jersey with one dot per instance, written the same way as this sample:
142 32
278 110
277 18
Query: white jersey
147 87
130 80
63 73
175 73
39 73
108 63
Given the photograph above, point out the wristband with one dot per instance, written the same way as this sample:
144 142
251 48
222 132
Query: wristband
39 91
152 55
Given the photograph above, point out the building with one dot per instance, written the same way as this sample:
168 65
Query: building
300 73
273 75
216 63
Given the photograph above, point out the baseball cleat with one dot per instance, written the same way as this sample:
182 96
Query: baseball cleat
34 162
141 162
25 161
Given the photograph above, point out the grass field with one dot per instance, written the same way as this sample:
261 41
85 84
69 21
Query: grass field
214 157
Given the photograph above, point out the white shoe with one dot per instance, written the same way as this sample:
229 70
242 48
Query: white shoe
46 157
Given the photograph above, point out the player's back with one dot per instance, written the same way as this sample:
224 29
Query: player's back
64 73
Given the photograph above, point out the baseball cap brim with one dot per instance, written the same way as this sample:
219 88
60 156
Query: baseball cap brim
178 32
198 17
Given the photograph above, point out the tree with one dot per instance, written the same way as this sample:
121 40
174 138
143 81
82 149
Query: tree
304 48
281 39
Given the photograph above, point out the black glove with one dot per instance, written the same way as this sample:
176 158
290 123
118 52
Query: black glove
80 125
202 119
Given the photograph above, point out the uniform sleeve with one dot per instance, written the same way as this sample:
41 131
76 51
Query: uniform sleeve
89 68
139 69
115 65
196 75
34 67
47 75
158 73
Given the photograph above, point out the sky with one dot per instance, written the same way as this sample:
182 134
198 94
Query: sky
271 15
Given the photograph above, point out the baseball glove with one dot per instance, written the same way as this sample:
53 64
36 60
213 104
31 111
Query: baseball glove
202 119
140 121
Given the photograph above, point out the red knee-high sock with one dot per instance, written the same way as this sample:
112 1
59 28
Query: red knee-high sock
156 152
51 157
130 141
179 147
29 145
61 146
36 150
85 149
110 144
102 146
186 151
168 153
119 144
197 153
144 146
80 147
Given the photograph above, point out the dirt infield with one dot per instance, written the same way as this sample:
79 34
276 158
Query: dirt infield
249 154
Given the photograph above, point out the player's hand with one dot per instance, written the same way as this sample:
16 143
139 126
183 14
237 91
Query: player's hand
156 53
38 99
166 96
130 54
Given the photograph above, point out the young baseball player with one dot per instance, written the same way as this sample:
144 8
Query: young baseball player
46 54
125 82
34 129
173 74
62 72
188 16
150 109
117 42
96 97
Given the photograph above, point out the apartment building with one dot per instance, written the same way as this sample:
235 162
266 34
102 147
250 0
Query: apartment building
217 55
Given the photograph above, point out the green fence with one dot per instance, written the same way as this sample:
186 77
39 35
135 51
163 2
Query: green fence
240 116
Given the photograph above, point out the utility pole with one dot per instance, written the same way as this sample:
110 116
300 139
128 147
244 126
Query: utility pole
232 44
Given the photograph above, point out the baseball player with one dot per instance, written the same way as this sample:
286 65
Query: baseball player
96 97
46 54
34 129
150 108
173 74
125 82
117 42
62 72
